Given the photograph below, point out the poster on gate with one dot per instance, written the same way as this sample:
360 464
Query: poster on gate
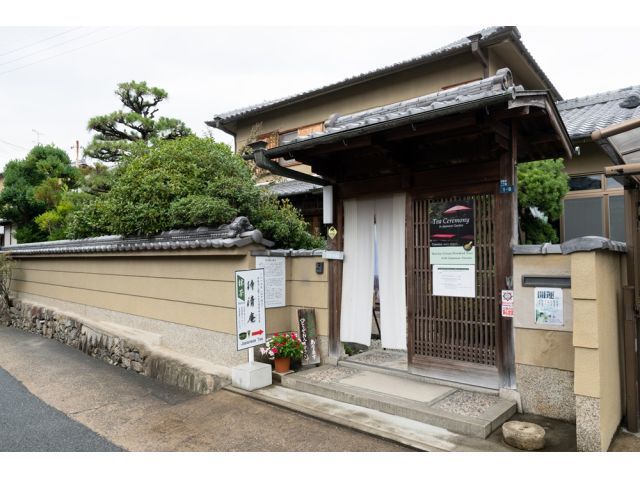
452 233
250 308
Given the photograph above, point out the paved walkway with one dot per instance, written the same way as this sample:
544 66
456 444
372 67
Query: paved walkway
136 413
27 424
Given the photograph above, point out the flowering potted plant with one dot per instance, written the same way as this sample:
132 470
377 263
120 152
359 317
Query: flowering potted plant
282 348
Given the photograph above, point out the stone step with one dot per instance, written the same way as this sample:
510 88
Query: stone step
402 430
460 411
358 365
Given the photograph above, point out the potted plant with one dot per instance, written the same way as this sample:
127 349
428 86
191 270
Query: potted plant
282 348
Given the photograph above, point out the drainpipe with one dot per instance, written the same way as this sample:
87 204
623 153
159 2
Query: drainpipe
258 155
479 54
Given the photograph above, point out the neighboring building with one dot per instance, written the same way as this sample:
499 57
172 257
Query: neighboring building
595 204
7 232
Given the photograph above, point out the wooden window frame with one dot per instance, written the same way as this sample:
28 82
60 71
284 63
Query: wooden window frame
603 192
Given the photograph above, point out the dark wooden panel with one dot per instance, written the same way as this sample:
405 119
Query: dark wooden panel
452 328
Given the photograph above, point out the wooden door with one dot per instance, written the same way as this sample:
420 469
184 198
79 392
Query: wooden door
453 338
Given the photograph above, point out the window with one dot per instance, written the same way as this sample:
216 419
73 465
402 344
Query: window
593 206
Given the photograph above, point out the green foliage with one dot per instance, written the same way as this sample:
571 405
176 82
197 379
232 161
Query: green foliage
281 222
34 185
97 179
541 188
537 231
118 132
55 221
187 182
6 266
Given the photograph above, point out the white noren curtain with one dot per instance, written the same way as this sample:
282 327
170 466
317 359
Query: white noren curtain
357 279
357 273
390 222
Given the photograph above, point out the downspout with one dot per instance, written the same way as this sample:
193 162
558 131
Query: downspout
477 52
259 156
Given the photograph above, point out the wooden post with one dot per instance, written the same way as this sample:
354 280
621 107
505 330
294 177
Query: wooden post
506 212
630 330
335 280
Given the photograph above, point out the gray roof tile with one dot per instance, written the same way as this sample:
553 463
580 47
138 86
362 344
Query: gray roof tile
499 85
486 36
583 115
238 233
290 188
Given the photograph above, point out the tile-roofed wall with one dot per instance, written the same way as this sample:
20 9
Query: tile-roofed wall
583 115
238 233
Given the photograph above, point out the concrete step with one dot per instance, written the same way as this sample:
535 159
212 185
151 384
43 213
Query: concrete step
460 411
403 373
402 430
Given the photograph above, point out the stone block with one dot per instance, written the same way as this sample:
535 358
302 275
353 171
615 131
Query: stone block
251 376
523 435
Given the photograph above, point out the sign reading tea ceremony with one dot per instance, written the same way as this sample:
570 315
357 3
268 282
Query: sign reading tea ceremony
452 248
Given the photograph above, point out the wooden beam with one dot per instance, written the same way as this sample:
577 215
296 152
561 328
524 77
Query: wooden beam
630 298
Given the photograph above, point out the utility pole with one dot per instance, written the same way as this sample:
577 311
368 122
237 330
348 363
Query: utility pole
37 135
77 149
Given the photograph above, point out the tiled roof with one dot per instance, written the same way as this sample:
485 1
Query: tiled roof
486 36
290 188
236 234
583 115
495 87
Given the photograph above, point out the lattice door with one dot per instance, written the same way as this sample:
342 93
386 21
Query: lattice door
452 329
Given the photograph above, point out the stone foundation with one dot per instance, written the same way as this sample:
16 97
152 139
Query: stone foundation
112 349
588 434
547 392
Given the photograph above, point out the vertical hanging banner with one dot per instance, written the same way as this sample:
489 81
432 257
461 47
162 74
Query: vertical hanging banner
274 280
250 304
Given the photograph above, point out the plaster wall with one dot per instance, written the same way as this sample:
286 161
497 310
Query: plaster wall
544 354
188 301
401 86
596 341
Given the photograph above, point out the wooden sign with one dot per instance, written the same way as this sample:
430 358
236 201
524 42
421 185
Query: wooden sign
309 336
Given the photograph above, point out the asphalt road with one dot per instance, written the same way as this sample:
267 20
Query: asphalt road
63 395
27 424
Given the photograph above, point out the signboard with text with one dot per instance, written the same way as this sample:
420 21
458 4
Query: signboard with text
274 280
451 233
506 303
250 305
454 281
548 306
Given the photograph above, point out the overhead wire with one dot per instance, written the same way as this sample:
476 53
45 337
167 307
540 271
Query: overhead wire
39 41
13 144
68 51
51 46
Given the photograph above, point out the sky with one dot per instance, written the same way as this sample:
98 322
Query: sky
54 78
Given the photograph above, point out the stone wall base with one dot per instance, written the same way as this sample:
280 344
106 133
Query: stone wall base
588 435
115 350
547 392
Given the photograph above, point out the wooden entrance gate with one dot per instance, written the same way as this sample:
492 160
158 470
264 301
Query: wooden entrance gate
453 338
